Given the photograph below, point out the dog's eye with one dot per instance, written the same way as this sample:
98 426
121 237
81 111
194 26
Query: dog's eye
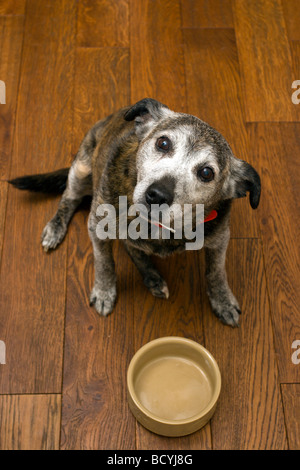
205 174
163 143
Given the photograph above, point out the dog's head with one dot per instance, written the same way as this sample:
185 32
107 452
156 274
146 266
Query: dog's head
183 160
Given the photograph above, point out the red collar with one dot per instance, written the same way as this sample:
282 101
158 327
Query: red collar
211 216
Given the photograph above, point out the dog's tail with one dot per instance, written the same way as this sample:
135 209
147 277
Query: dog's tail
49 183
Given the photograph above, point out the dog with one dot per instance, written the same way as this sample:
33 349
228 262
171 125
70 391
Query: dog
152 155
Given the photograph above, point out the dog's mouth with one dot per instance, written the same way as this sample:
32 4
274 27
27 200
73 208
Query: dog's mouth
157 223
211 216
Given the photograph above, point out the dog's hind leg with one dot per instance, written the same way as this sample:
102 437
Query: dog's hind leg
151 277
79 184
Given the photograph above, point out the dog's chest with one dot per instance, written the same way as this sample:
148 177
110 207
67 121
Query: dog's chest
160 248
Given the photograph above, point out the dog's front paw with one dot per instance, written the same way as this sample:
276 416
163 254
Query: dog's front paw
226 309
103 300
53 234
156 285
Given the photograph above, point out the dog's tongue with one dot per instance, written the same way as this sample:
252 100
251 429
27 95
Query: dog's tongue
211 216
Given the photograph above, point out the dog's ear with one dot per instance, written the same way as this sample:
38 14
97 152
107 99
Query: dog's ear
145 113
244 178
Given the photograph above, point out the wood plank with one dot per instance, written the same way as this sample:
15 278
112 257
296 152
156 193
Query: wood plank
12 7
214 94
11 38
291 403
157 62
275 148
295 51
157 70
206 14
249 414
200 440
103 23
97 349
94 102
3 200
291 12
32 290
29 422
265 60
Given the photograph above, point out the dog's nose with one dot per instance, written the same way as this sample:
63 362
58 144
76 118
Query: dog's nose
159 193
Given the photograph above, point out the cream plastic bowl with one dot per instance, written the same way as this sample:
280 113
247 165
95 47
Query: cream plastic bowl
173 386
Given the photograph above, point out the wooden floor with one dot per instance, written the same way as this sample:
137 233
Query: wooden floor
68 63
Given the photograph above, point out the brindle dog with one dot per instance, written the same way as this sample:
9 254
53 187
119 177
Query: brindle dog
152 155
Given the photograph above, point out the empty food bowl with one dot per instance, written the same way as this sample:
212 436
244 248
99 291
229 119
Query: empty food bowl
173 386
